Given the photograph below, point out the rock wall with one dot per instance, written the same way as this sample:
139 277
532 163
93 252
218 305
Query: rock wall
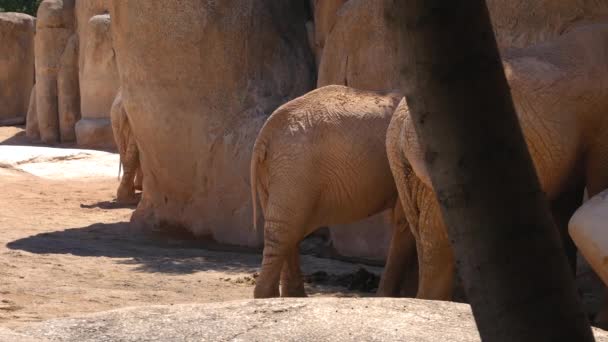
199 78
76 72
17 32
525 22
54 28
325 13
99 83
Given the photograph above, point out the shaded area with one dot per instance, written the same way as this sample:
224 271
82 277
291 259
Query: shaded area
109 205
161 252
119 241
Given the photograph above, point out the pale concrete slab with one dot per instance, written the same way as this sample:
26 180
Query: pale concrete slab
59 163
311 319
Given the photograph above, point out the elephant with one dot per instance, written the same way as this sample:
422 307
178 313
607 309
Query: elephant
560 99
319 160
132 178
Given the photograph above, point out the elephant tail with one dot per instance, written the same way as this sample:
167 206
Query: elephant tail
257 157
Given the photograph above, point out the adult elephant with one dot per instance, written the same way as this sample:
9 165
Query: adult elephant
132 178
559 93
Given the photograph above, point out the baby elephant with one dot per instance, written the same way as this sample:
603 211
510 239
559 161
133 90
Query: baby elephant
319 160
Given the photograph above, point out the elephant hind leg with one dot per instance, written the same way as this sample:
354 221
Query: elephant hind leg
292 284
435 256
400 276
280 250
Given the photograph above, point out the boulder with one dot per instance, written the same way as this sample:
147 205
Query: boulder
68 91
587 228
361 51
99 83
17 32
32 130
350 319
523 23
84 10
325 12
199 79
54 27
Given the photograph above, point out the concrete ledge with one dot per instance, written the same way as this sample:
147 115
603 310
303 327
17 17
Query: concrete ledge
312 319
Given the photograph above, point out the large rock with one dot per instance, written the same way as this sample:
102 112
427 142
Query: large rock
199 79
54 28
360 51
17 32
522 23
325 12
84 10
314 319
68 93
588 230
99 83
31 128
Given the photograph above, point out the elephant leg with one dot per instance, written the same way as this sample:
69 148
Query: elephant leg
435 256
130 161
562 209
292 284
139 179
400 276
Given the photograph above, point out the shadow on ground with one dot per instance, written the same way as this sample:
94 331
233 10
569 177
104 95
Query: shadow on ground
153 254
157 253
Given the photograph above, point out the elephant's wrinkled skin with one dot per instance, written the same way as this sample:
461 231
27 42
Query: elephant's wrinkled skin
319 160
129 154
559 92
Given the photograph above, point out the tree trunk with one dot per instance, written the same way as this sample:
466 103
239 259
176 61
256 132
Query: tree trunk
507 249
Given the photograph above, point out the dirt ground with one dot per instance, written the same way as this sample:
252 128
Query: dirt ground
66 248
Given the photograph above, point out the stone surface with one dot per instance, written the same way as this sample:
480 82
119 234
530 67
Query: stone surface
54 27
325 12
199 79
588 230
17 32
68 91
59 163
31 129
351 319
522 23
95 133
99 83
368 239
84 10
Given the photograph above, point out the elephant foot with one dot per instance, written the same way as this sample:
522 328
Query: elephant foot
260 292
126 197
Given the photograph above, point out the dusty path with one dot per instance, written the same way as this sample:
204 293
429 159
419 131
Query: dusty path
67 249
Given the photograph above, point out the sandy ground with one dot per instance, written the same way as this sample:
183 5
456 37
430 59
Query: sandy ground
66 247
